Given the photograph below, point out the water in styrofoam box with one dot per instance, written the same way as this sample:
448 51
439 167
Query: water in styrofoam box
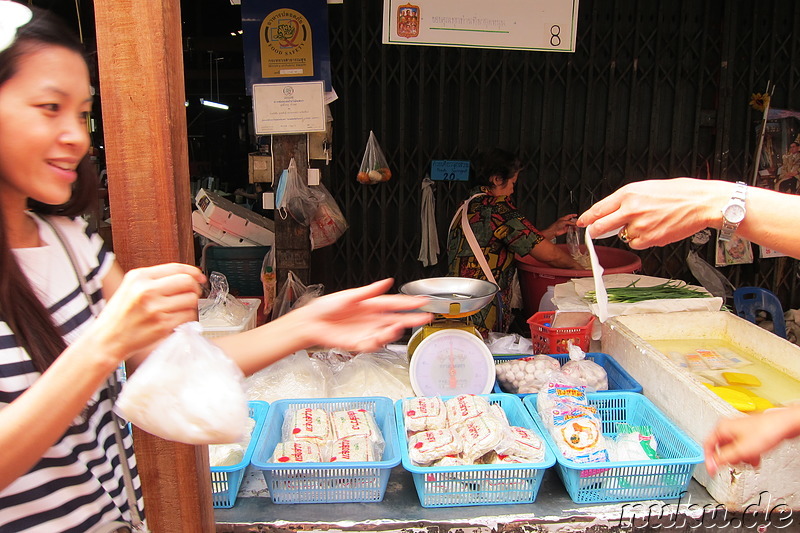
216 326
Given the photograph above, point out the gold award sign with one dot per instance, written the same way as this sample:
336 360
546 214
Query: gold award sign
286 49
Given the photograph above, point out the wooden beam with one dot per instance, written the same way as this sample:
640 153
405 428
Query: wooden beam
292 240
142 93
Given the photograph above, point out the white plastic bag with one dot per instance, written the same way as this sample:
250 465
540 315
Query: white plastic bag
295 376
187 390
584 372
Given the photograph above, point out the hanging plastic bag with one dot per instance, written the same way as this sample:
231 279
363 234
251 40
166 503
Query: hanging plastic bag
269 281
374 168
297 198
328 223
220 308
187 390
293 294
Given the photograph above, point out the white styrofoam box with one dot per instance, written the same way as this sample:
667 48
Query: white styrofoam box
697 410
235 219
201 226
211 330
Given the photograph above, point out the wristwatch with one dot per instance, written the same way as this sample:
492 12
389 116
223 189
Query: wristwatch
733 212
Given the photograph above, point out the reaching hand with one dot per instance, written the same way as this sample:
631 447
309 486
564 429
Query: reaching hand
145 308
658 212
743 440
361 319
559 227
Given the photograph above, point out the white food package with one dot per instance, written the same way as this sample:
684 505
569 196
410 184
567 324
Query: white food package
295 376
526 375
582 371
187 390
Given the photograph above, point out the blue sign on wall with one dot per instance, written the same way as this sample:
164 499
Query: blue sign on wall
447 170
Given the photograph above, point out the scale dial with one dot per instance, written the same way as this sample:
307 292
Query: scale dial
452 362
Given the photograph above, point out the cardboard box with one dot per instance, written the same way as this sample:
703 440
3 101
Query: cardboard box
260 168
696 410
235 219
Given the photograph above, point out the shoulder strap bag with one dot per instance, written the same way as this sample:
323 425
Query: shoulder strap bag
137 525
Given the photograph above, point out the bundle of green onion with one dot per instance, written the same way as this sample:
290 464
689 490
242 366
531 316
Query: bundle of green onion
632 294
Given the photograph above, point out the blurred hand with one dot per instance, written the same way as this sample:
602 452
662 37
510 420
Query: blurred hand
361 319
743 440
147 306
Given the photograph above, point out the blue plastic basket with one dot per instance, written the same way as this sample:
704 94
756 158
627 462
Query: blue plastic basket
226 480
618 378
620 481
457 486
327 482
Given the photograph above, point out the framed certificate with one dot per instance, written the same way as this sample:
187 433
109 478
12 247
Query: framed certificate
282 108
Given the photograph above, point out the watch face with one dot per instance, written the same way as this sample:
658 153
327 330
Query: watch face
734 213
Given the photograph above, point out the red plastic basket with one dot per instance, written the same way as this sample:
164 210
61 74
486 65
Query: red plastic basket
554 340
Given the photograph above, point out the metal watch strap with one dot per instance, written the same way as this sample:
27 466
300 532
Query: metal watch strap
729 228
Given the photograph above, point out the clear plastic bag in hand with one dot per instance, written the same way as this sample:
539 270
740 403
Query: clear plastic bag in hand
187 390
220 308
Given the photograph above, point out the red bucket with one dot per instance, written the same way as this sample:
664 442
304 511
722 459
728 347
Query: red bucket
535 276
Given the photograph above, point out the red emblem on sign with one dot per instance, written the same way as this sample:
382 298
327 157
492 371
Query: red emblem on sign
408 21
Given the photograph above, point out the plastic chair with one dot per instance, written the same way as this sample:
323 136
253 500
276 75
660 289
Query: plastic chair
749 300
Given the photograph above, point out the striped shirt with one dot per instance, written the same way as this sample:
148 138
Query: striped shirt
78 483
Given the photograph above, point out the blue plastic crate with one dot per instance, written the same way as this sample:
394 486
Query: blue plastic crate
327 482
618 378
226 480
620 481
457 486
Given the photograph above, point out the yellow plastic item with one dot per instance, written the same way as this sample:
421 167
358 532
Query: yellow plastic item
740 378
762 404
737 399
743 390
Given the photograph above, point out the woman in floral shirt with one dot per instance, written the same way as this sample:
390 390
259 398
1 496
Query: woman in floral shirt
501 232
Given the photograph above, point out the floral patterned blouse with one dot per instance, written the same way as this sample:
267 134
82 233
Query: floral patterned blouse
501 232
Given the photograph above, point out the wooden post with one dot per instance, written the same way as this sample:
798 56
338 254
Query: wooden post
140 59
292 243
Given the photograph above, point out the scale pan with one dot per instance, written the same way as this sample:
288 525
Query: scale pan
469 294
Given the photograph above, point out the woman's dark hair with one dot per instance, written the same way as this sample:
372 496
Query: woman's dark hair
496 162
20 308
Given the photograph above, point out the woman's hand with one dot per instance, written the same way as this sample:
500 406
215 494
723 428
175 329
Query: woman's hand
146 307
560 226
361 319
658 212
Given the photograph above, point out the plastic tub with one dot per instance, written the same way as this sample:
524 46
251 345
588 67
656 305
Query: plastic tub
535 276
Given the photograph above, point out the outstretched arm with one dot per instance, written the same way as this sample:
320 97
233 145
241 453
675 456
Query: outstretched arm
360 319
658 212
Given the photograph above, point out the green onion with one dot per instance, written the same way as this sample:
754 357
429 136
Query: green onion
632 294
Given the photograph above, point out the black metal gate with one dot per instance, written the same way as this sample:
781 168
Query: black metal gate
655 89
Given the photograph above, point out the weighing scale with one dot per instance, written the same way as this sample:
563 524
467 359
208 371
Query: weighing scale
449 356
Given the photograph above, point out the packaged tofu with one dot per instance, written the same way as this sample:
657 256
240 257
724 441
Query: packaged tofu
359 449
298 451
465 407
356 423
423 414
307 423
427 447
